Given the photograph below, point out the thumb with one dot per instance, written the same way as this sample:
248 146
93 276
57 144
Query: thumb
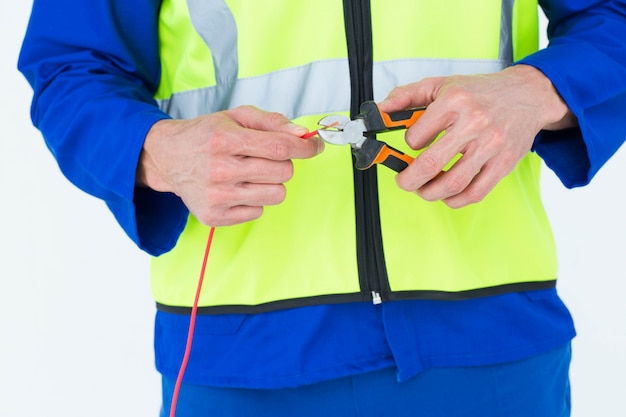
417 94
251 117
295 129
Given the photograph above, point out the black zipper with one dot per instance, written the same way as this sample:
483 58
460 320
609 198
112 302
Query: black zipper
370 255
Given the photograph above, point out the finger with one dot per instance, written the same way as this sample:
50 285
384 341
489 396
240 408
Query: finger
452 182
437 118
257 119
486 180
253 170
421 93
481 184
257 195
230 205
277 146
271 135
430 163
234 215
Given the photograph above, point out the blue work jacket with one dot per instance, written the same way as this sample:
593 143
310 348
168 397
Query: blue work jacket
94 68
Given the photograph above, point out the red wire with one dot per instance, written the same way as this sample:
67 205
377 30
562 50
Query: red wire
194 313
192 325
309 135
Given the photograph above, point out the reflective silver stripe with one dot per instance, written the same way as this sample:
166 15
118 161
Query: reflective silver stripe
294 91
318 88
215 23
506 31
390 74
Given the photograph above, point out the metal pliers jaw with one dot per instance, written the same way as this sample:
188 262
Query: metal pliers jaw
361 132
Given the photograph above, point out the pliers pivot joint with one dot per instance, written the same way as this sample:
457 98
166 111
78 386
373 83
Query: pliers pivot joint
361 132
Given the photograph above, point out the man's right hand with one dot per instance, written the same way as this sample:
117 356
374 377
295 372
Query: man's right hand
225 166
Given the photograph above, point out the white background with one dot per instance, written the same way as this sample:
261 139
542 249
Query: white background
76 314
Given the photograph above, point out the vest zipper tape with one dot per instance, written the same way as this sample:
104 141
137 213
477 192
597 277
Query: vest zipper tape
370 256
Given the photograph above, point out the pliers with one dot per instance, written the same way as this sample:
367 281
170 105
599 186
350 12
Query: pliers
360 134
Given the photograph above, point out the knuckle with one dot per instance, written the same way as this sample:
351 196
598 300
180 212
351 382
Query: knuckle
509 159
454 184
473 196
497 136
396 92
220 172
276 118
279 149
459 97
430 164
481 118
218 143
246 108
457 93
239 112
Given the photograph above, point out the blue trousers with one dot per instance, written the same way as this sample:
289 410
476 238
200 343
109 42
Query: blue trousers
537 387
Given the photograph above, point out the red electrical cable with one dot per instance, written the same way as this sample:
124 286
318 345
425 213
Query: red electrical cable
309 135
194 313
192 325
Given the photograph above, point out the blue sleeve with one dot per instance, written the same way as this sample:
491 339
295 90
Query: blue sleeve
94 67
586 62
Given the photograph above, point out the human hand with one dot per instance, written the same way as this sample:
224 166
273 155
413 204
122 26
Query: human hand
491 120
225 166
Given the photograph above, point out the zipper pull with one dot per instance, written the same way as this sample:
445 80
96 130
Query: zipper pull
376 299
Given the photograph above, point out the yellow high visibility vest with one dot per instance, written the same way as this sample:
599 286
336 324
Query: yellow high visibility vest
291 57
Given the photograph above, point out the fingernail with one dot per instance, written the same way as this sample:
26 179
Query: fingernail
319 148
298 130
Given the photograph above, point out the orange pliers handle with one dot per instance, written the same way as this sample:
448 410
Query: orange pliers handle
377 152
377 121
